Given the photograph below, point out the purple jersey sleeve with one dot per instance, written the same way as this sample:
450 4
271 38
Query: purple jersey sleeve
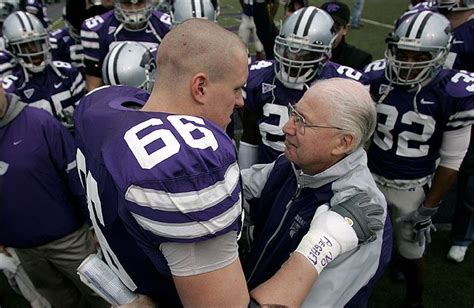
65 48
39 10
461 55
181 179
8 64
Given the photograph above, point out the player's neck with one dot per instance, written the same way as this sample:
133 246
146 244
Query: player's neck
458 18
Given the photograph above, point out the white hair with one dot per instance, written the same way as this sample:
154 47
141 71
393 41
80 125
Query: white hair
352 107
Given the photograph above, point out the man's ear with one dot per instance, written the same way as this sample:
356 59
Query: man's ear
199 84
347 142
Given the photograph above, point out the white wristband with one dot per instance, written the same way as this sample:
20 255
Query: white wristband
329 236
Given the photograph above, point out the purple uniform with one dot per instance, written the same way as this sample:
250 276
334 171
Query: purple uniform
65 48
38 9
177 179
8 63
100 33
461 55
98 117
57 89
410 128
40 194
268 98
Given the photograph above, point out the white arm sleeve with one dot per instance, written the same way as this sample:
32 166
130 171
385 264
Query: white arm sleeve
248 155
187 259
454 147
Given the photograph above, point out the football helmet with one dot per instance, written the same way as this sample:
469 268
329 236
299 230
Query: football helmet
452 5
131 64
7 7
134 13
164 6
186 9
303 46
427 37
27 40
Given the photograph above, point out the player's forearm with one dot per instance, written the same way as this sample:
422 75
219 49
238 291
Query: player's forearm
290 285
442 182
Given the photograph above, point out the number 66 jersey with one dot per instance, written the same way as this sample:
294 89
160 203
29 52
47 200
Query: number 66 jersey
414 123
154 178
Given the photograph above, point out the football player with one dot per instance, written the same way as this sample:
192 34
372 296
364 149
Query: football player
52 85
460 13
131 20
302 53
247 27
167 173
66 42
425 113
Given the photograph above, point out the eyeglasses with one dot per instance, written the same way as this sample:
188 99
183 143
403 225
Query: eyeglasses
300 121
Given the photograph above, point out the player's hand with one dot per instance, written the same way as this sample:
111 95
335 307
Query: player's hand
422 224
141 301
366 216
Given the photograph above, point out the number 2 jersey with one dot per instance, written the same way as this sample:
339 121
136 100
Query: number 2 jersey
268 98
410 125
158 178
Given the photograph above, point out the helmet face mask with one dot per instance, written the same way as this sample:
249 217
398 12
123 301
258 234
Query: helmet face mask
27 40
303 47
451 5
131 64
133 13
417 49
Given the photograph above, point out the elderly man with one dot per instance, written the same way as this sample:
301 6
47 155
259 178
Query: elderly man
323 167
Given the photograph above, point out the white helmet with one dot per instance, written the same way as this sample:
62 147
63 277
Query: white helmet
186 9
131 64
130 16
424 32
7 7
452 5
27 40
303 46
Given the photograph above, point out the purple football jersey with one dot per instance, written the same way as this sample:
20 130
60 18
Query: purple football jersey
57 89
8 64
102 32
407 140
65 48
40 193
180 181
461 55
268 98
38 9
98 118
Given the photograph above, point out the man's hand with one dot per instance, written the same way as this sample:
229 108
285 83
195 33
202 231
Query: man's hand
422 225
366 216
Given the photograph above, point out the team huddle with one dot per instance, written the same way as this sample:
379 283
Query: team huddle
116 139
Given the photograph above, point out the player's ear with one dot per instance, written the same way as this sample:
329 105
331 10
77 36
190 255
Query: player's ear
199 83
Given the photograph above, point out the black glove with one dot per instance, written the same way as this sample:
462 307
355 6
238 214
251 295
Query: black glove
365 215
